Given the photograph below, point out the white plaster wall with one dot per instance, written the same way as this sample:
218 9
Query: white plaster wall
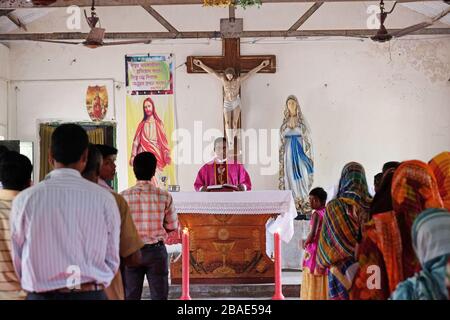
364 101
4 76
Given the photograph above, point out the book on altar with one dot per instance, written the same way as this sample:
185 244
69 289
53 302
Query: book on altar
222 186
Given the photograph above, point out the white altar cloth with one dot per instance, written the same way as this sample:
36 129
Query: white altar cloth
278 202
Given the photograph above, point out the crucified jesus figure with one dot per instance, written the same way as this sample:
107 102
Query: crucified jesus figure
231 100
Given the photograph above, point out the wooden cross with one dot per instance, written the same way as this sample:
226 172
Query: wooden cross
231 57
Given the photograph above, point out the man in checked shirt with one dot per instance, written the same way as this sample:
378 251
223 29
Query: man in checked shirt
154 216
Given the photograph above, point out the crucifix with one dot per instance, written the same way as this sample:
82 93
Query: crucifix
228 68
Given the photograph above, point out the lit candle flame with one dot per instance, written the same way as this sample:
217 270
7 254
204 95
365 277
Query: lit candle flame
185 230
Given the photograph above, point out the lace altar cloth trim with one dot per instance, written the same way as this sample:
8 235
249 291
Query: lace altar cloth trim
278 202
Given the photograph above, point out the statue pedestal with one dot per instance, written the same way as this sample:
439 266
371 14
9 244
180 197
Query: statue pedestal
292 252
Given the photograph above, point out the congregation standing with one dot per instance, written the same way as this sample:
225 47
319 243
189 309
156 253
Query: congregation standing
395 245
72 237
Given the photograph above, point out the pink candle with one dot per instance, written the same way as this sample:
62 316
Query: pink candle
185 266
277 248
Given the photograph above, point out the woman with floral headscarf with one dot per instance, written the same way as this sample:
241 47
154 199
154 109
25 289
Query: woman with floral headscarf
431 243
341 230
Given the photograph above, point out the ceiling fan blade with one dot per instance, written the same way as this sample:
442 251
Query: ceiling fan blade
411 29
419 26
58 41
441 15
118 43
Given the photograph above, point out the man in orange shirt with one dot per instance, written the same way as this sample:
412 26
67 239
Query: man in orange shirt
154 216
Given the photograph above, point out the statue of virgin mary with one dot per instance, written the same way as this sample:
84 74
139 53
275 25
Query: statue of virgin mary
296 155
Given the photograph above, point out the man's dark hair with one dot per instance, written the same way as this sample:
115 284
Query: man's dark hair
106 150
69 141
320 194
389 165
377 177
93 162
15 171
3 149
218 140
144 166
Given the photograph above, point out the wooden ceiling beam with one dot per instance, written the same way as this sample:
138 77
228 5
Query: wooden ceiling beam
155 14
212 34
306 16
7 4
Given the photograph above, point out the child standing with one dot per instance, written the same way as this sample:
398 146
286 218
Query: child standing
315 283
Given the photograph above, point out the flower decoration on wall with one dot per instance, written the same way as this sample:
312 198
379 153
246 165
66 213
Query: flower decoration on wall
224 3
216 3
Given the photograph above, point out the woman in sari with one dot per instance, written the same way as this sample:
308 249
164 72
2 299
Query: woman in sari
440 165
341 230
150 137
431 243
296 156
369 253
414 189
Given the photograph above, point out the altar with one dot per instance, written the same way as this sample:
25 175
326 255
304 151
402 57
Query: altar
227 233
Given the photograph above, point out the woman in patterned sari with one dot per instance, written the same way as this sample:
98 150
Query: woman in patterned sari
386 242
414 189
341 230
440 165
371 281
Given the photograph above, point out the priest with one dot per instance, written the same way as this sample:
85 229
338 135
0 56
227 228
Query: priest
222 171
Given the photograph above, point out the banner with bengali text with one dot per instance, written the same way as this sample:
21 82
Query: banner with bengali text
151 113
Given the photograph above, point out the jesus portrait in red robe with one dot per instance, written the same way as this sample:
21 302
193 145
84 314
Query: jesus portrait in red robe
150 137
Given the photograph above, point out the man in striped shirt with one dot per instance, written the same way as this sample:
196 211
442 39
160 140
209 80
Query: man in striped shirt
65 229
154 216
130 242
15 175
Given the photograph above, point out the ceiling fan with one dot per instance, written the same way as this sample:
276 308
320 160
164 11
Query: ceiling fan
383 35
96 35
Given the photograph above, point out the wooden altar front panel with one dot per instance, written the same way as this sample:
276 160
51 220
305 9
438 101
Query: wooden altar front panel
226 248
